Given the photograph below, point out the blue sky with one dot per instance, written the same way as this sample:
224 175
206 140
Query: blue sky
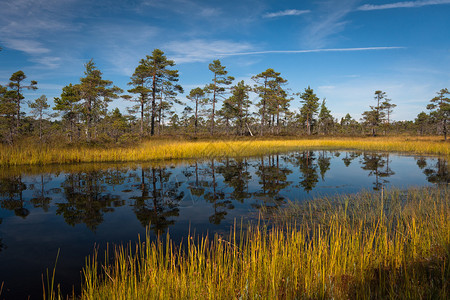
344 50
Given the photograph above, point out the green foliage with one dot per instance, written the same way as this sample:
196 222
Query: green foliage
274 100
325 118
197 95
236 107
116 125
217 87
87 100
156 67
39 109
310 106
374 117
16 87
68 104
141 82
440 109
7 113
422 121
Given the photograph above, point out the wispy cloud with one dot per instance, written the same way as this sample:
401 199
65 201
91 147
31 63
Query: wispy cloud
327 21
204 50
27 46
209 12
184 7
50 62
123 57
287 12
405 4
310 51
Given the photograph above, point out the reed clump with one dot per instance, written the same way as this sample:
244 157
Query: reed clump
370 246
159 150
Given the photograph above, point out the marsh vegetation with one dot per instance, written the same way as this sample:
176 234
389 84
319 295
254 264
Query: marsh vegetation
89 203
370 245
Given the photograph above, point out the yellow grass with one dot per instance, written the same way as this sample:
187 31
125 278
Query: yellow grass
155 150
367 246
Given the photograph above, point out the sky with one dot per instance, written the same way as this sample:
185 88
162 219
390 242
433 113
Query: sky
344 49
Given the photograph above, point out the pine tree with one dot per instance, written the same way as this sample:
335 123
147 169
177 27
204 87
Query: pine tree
376 115
440 109
96 94
167 99
196 95
422 121
116 124
158 65
7 114
69 105
218 86
140 81
39 108
273 97
310 106
16 85
325 118
239 103
389 108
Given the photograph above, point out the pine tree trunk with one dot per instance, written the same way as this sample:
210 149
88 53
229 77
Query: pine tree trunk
196 116
308 128
445 128
214 106
142 115
152 119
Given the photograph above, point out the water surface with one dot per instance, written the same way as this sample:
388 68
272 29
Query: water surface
79 208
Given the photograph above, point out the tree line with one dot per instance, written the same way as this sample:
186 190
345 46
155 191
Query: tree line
81 114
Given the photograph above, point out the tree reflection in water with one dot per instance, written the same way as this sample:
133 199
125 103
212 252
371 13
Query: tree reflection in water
11 190
273 179
349 157
40 194
378 165
216 196
324 163
437 172
87 199
159 200
305 161
196 188
236 176
215 186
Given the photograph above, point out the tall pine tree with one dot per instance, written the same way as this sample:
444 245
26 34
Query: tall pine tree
310 106
440 109
158 65
217 88
95 93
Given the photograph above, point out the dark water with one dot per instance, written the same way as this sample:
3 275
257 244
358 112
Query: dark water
81 207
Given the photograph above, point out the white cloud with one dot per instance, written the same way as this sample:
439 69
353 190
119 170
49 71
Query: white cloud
310 51
209 12
287 12
48 61
327 21
405 4
326 87
27 46
203 50
185 7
